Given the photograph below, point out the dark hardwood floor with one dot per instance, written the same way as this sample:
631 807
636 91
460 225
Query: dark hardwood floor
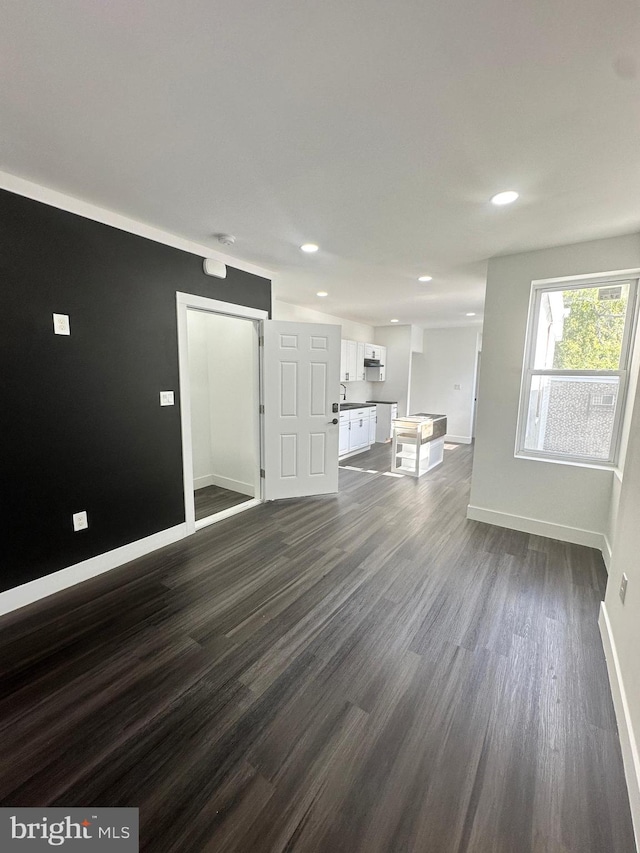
213 499
368 672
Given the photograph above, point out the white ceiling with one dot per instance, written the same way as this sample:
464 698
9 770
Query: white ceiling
377 129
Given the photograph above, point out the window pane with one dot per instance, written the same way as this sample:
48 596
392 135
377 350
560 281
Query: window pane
572 415
581 329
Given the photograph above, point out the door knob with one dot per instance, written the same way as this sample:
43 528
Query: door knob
334 421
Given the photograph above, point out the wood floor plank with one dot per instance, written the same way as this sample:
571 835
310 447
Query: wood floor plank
369 672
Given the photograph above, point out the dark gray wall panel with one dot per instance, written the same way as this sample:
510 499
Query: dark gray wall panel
81 423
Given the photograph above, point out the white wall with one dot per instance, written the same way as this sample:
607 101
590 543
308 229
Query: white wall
563 501
448 359
357 392
621 622
223 364
396 387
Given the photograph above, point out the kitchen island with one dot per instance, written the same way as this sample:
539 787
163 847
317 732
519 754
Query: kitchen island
418 443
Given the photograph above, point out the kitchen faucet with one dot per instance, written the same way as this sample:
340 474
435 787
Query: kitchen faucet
343 396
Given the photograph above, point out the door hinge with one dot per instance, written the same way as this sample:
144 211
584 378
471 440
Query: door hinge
262 473
261 409
261 340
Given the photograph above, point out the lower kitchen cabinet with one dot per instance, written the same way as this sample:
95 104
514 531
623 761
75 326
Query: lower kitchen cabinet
343 446
357 430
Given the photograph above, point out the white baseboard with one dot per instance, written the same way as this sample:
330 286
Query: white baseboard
27 593
458 439
628 743
202 482
539 528
233 485
606 552
224 483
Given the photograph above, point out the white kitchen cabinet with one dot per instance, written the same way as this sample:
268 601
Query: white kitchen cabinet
343 446
356 433
359 432
372 350
360 368
343 360
376 374
352 361
349 361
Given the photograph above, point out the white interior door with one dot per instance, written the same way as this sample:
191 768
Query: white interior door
301 374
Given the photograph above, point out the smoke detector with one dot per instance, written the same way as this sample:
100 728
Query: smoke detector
226 239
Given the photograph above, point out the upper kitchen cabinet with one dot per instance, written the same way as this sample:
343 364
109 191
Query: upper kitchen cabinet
376 372
353 357
351 369
360 368
372 351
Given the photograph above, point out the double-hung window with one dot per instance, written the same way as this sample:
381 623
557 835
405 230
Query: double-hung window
576 370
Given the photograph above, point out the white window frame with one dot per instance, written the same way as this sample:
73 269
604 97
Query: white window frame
528 371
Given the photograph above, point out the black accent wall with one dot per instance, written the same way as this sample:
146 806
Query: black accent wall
80 417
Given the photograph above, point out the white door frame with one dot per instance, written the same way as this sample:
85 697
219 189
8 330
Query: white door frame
184 301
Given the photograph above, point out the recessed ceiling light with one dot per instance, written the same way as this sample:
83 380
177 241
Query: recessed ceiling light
322 293
309 248
471 313
425 278
394 321
504 198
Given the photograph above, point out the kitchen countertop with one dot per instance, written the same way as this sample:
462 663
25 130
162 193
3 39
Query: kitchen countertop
383 402
344 406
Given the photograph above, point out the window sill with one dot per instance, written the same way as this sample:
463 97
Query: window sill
598 466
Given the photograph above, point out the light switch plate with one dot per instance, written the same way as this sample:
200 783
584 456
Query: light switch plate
61 324
623 588
456 387
166 398
80 521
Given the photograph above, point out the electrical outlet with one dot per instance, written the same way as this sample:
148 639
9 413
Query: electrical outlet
456 387
80 521
166 398
623 588
61 324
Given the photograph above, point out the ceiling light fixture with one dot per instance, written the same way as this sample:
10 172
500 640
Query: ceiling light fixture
322 293
506 197
471 314
425 278
309 248
394 321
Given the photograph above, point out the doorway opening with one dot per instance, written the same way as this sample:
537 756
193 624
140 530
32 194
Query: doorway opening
219 355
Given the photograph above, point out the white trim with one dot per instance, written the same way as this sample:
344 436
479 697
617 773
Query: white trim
458 439
184 301
202 482
628 742
227 513
607 552
62 201
538 287
562 532
530 456
27 593
233 485
614 274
